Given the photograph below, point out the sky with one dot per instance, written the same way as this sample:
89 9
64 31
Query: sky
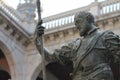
51 7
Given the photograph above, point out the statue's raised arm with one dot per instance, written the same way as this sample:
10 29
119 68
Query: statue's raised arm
40 30
66 52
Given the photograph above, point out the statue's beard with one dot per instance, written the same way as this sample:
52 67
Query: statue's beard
82 33
84 30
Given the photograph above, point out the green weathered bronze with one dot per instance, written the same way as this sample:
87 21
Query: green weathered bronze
92 54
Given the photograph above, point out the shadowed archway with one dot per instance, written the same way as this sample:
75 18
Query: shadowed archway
4 67
8 55
4 75
39 78
62 72
57 71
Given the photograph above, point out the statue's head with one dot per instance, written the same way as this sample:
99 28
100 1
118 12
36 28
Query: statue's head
84 22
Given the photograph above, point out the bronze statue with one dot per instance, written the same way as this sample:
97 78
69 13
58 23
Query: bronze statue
92 54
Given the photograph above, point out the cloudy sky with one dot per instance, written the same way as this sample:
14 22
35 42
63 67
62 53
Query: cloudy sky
51 7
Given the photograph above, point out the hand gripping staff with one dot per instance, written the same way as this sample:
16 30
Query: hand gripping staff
40 39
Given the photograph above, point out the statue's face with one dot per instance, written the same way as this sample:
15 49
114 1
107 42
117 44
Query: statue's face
82 25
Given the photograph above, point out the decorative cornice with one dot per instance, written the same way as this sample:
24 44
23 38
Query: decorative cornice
15 33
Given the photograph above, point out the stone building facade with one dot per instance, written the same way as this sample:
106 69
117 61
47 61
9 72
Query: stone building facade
19 58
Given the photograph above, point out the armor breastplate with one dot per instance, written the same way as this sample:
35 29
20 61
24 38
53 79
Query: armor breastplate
96 56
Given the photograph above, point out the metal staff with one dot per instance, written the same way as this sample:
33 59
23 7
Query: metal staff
41 39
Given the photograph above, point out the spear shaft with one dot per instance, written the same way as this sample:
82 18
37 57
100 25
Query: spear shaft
39 10
41 39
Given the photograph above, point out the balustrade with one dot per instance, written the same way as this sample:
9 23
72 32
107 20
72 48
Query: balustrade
59 22
106 7
10 12
110 6
13 15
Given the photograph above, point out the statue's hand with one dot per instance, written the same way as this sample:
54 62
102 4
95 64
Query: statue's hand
39 29
38 32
